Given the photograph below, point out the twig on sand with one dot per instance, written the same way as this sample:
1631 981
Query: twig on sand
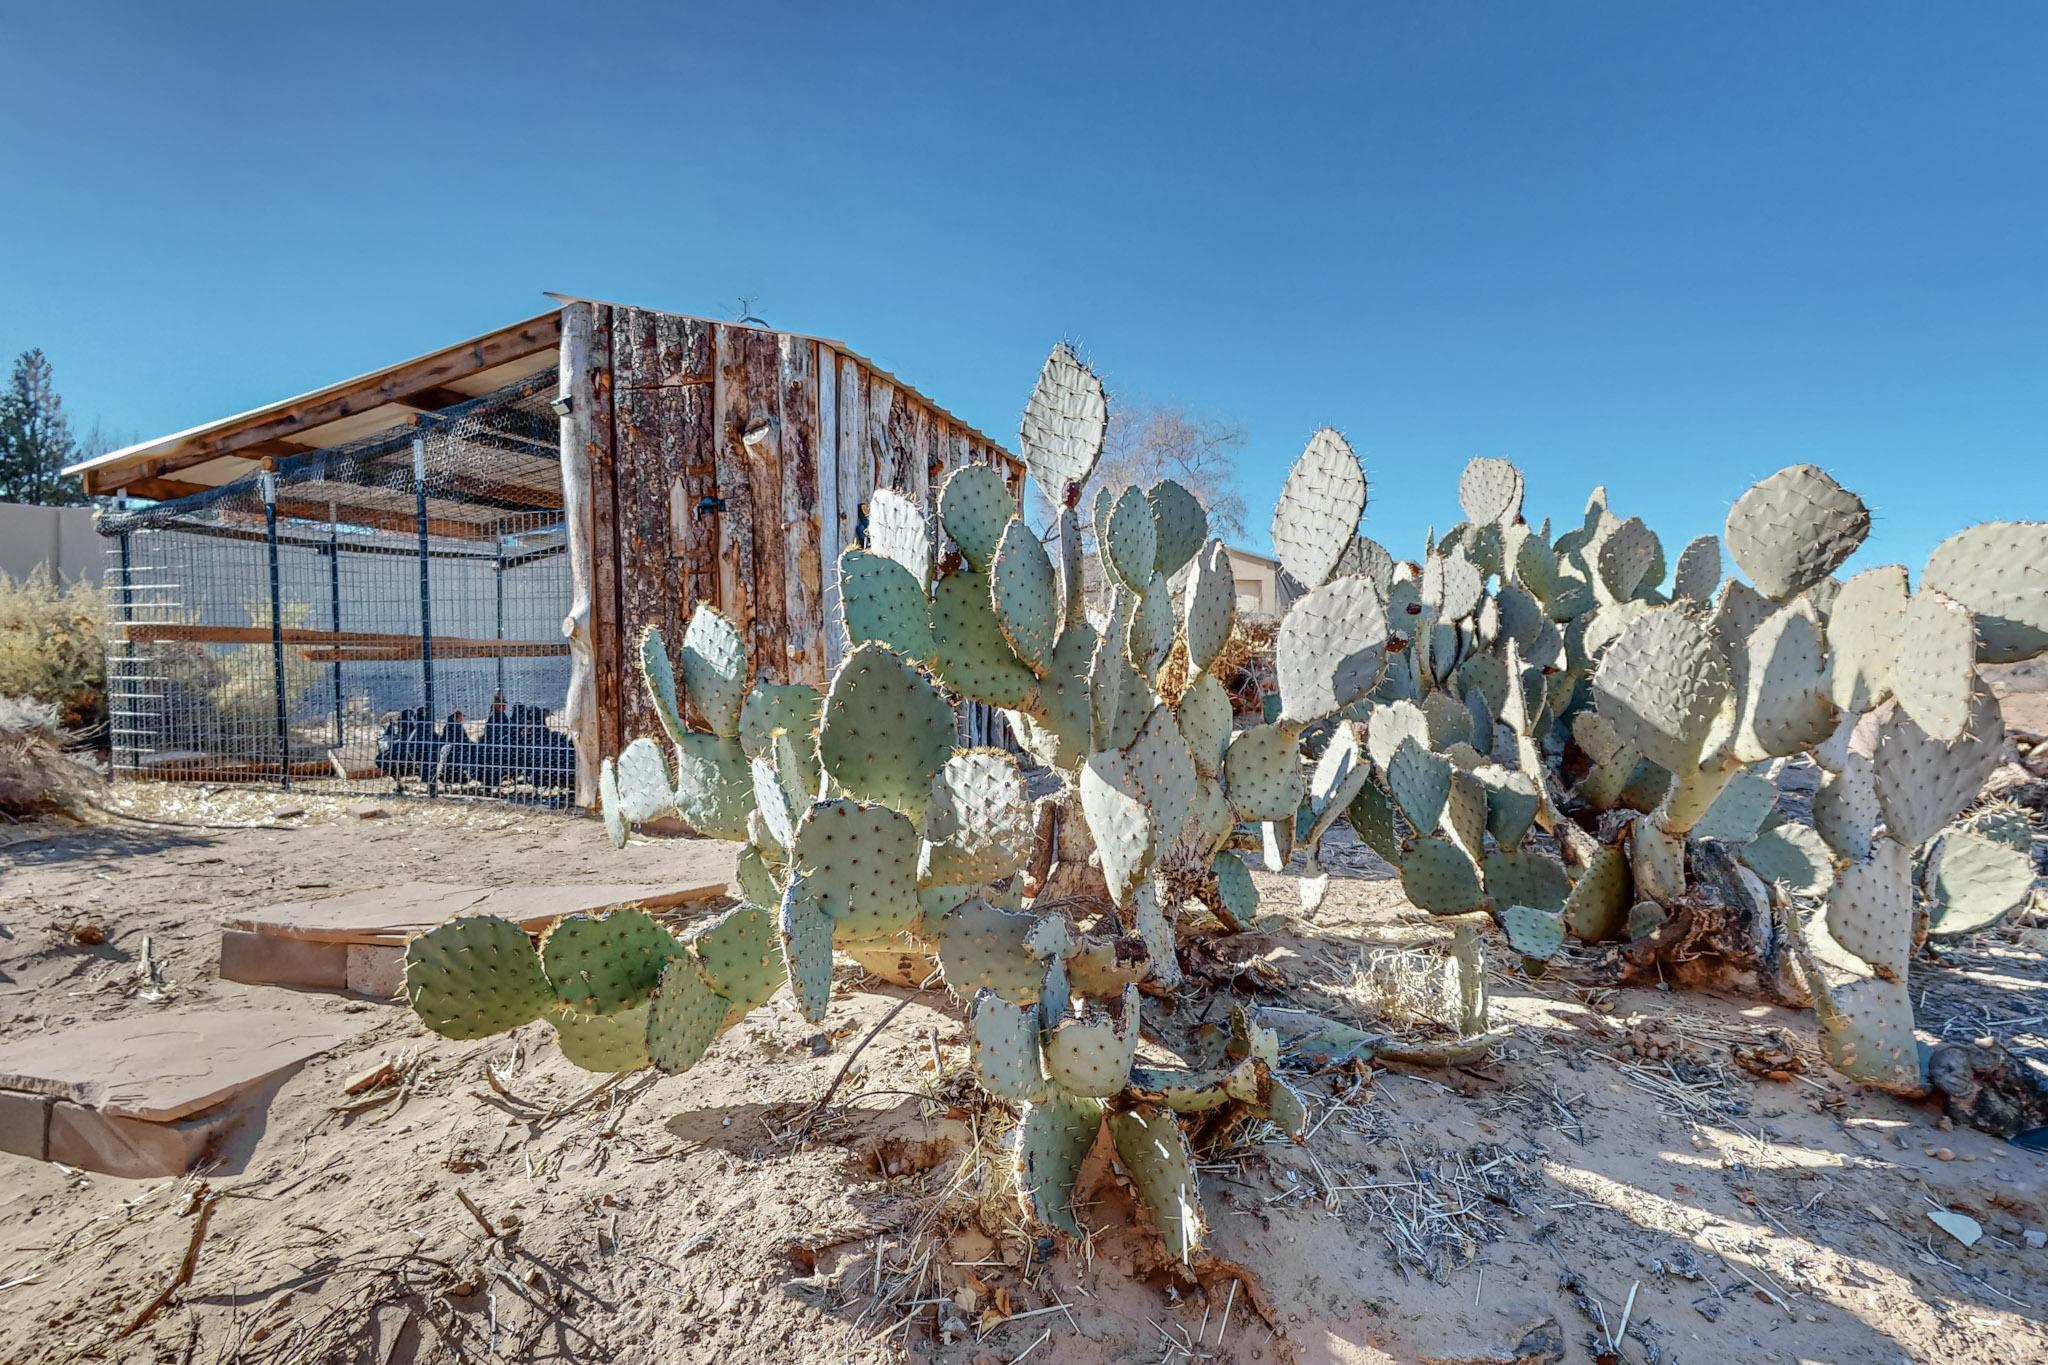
186 1266
476 1213
811 1114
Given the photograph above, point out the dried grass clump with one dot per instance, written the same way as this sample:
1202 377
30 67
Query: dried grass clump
1245 659
53 646
37 774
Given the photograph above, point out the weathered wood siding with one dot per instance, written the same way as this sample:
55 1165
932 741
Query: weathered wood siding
734 466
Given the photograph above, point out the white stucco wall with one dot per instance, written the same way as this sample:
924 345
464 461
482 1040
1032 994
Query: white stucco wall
61 537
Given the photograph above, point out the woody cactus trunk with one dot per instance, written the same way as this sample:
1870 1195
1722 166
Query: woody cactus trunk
869 834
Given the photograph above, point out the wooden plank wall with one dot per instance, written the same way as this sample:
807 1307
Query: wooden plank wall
781 440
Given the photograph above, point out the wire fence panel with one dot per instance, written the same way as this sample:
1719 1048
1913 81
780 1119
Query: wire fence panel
382 616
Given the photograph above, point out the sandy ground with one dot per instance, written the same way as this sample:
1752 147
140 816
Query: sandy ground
1612 1185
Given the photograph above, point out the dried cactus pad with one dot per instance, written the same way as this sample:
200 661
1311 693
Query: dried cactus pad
684 1016
1330 648
1319 508
1490 490
1025 594
475 976
715 669
859 865
1052 1141
885 731
974 507
1154 1150
660 677
1791 530
604 963
1999 570
1064 421
604 1042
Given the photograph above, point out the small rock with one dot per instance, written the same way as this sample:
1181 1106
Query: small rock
1944 1154
368 812
1960 1226
287 812
2035 1238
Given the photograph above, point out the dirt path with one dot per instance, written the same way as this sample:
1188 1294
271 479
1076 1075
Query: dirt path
1612 1162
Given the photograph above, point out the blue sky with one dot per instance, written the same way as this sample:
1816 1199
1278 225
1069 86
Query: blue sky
1668 246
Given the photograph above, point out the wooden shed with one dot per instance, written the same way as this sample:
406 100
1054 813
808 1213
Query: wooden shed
699 461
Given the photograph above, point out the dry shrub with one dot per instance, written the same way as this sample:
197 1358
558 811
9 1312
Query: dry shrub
1245 659
53 646
37 775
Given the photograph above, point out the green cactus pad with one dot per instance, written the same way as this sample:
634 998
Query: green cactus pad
1119 699
684 1017
1864 631
1064 420
769 707
1320 504
1154 1151
1699 570
1053 1139
609 802
1597 908
1179 526
475 976
1340 771
1234 885
1526 878
1923 783
1978 880
1120 819
741 955
1064 697
1792 530
1464 817
886 731
1004 1047
660 677
715 669
714 786
980 945
1025 594
759 880
1791 856
1092 1054
1262 773
1148 638
607 962
1368 559
1533 933
978 822
1390 724
1866 1021
1132 545
1150 923
1209 605
1371 814
1662 683
1870 909
1644 919
1451 585
1624 558
1330 649
1512 801
899 530
882 602
1164 769
1421 784
1438 877
971 655
1780 677
858 864
1204 717
604 1042
1845 809
805 929
1738 813
1999 570
974 507
1937 672
774 807
644 790
1490 490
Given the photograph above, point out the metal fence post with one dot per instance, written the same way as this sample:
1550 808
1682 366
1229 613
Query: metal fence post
419 488
268 482
500 580
334 609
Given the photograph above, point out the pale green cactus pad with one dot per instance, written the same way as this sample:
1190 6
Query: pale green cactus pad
1132 544
741 955
1793 857
1053 1140
1340 771
1126 838
1064 723
1119 700
1512 801
1149 636
1864 631
790 707
882 602
1320 504
607 962
1164 769
1490 490
1738 813
1091 1054
1661 685
1180 526
1533 933
660 677
604 1042
1845 809
1149 922
1514 877
714 786
1870 909
886 731
759 880
1204 716
974 507
1937 667
978 824
970 654
858 864
1154 1152
1330 649
1451 585
684 1016
1235 886
1922 783
475 976
1421 783
1064 421
774 809
1004 1048
1371 814
643 786
1596 910
1780 680
1025 594
1999 570
1438 877
1792 530
806 933
1979 878
1262 773
1699 570
715 669
1209 605
899 530
980 945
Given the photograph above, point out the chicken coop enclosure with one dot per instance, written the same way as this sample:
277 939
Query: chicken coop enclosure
381 615
432 578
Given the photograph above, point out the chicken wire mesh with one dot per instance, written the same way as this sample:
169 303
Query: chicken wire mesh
377 617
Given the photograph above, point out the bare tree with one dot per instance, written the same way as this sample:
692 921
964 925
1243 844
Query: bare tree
1166 441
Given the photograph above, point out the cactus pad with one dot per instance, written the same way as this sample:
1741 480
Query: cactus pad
1699 570
1936 672
604 1042
1262 773
1371 814
899 530
1164 770
1148 637
714 786
1421 783
608 962
1533 933
1512 800
974 507
806 933
1179 526
1661 685
1004 1046
1490 490
882 602
1999 570
1738 813
474 976
684 1016
978 821
1923 783
1526 878
970 653
1792 856
1330 649
1864 631
1209 605
777 706
980 945
1052 1141
1320 504
643 785
1204 717
1154 1151
740 954
1978 879
1132 544
1025 594
715 669
660 677
1126 837
858 864
1791 530
1092 1054
1064 420
1438 877
1870 909
1597 908
886 731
